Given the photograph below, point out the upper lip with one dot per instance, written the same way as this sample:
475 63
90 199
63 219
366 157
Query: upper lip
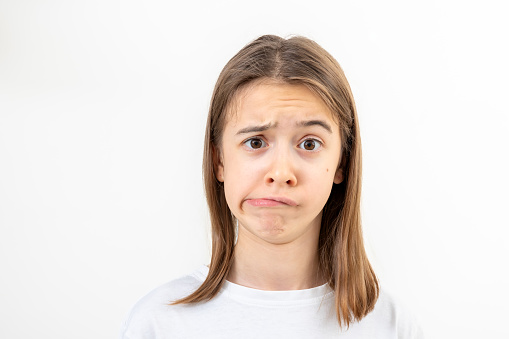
284 200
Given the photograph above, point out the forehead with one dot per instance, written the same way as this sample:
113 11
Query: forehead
266 101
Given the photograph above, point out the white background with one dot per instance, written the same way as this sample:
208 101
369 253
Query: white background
102 115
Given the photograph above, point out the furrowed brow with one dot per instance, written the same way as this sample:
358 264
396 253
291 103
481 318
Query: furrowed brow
251 129
315 122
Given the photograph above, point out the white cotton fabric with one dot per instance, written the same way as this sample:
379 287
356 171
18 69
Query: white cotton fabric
242 312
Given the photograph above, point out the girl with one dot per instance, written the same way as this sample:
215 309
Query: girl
282 171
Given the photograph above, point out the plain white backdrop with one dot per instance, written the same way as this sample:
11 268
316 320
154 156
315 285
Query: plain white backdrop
102 114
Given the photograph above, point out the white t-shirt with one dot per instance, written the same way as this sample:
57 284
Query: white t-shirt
242 312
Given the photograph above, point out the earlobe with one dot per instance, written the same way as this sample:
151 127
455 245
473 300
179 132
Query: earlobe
218 165
219 173
338 177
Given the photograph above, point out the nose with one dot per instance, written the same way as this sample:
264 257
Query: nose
281 171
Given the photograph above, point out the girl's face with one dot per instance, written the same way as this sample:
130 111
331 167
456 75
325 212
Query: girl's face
279 157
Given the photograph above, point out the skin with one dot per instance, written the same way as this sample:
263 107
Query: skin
279 157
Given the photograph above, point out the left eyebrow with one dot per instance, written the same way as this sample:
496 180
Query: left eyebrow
251 129
315 123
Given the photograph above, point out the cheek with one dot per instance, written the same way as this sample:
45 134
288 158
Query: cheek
236 179
320 182
241 168
322 186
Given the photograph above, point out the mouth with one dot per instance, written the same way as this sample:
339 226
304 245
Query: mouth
271 202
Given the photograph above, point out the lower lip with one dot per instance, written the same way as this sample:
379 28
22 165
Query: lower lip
265 203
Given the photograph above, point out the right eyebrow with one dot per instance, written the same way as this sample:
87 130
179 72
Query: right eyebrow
321 123
258 128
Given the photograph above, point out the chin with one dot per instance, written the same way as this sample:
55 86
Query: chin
272 224
271 230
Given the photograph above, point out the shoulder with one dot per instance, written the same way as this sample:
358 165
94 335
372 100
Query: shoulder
392 315
156 305
174 289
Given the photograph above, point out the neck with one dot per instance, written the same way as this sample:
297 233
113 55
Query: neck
276 267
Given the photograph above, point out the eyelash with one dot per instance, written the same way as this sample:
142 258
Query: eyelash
264 143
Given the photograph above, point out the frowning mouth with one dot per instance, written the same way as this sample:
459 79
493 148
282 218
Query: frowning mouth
271 202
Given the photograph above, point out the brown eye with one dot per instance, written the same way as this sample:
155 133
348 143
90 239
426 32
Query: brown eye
310 145
255 143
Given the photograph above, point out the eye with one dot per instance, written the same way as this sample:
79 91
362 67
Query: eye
310 145
255 143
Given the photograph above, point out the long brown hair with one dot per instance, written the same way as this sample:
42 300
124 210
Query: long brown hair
342 257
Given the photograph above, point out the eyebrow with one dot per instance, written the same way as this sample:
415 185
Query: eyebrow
261 128
315 123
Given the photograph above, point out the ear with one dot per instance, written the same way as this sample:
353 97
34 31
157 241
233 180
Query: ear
218 164
339 175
